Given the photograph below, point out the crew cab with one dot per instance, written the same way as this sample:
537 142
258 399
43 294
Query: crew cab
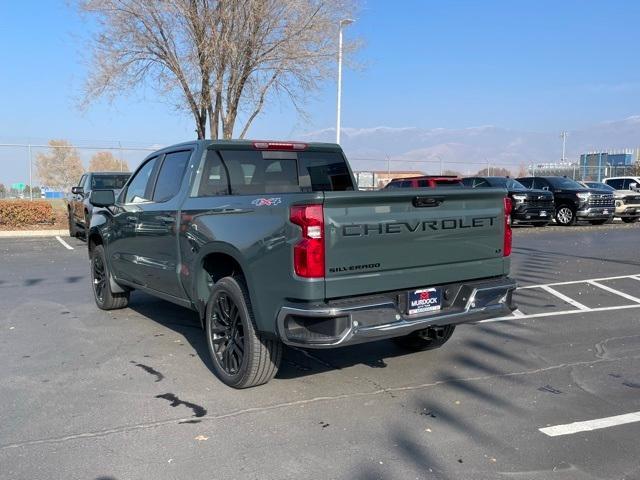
573 201
530 206
271 244
78 206
425 181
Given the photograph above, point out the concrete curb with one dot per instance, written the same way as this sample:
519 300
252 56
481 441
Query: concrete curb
33 233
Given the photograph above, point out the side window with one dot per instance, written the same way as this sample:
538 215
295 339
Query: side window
214 179
137 190
406 184
527 182
468 182
540 183
626 183
480 183
423 184
82 181
616 183
171 175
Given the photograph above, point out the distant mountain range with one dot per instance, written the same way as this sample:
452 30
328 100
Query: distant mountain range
471 149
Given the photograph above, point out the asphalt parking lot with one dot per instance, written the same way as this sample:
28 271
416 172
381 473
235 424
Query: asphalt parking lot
129 394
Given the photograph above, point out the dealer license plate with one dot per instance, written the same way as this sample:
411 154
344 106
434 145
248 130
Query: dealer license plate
605 212
424 300
543 213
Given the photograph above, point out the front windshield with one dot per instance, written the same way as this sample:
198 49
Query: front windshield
562 182
602 186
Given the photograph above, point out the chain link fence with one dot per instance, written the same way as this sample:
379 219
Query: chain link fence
19 172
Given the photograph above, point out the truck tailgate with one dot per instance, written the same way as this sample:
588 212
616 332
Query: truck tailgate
401 239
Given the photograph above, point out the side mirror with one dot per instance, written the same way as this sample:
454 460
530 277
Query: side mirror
77 190
102 198
633 186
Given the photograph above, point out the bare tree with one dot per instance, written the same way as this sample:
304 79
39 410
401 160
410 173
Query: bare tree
219 59
106 162
60 167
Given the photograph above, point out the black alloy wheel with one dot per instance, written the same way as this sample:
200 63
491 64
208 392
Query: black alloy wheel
105 297
99 278
227 334
241 356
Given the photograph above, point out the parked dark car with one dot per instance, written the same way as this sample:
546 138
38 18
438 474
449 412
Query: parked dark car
425 181
573 201
271 244
78 207
532 207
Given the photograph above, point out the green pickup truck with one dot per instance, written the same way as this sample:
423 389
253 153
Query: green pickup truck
271 244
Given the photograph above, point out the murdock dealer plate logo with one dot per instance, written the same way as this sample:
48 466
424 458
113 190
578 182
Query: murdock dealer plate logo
424 300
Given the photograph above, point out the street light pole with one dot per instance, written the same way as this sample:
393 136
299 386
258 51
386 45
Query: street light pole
30 178
563 136
343 23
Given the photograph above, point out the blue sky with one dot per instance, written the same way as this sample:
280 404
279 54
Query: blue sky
530 65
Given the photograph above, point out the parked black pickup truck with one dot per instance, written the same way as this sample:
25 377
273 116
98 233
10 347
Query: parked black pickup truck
78 206
573 201
532 207
271 243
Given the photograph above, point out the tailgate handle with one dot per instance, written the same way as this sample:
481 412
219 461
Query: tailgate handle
420 202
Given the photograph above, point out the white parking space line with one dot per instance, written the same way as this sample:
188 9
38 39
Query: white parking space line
589 425
573 282
614 291
562 312
563 297
64 244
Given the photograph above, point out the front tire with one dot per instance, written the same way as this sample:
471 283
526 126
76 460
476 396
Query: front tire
241 357
565 216
73 232
427 339
100 281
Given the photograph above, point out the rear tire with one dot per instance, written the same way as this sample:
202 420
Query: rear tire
241 357
565 216
427 339
630 219
101 283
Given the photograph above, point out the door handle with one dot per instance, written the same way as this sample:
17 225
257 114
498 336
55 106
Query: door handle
420 202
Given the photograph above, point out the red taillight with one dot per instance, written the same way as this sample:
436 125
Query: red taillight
508 234
279 145
308 253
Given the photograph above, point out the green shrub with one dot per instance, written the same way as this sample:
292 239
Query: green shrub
18 213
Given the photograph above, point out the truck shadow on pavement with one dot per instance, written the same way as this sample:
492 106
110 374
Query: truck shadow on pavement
298 362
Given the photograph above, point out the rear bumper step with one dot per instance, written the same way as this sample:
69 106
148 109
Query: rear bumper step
374 318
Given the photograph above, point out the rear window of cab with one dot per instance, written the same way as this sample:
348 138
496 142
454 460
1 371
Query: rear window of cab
250 172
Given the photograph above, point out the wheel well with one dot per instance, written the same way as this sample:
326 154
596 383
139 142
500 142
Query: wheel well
214 267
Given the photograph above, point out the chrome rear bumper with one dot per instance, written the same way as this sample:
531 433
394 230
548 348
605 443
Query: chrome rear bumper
378 317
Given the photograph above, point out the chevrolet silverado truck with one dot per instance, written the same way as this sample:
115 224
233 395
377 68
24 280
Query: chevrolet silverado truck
573 201
78 206
531 207
271 243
